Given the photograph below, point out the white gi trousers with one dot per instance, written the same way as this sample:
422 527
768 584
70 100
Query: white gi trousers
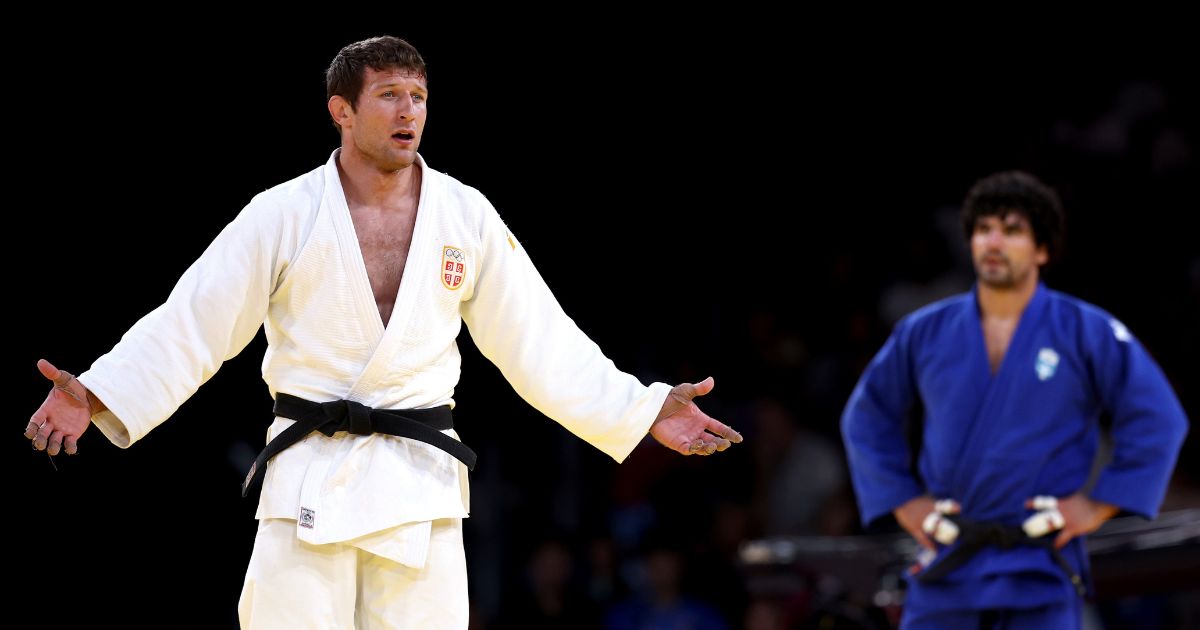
294 585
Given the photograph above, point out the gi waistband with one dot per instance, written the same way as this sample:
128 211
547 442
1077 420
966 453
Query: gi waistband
423 425
973 536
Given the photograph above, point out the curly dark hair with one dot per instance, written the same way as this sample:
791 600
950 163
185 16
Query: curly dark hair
344 77
1017 191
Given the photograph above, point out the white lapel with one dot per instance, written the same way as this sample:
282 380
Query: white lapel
351 253
386 339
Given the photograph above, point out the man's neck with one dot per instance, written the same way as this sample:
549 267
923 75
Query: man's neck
1006 302
367 185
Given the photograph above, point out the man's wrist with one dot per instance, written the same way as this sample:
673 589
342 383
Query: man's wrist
95 405
1105 510
670 405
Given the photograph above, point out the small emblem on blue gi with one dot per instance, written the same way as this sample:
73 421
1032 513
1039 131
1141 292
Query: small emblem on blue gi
308 518
1120 331
1047 363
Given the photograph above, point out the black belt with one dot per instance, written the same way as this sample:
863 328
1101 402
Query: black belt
423 425
973 536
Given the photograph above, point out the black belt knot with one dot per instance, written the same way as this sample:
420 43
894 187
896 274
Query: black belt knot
422 425
991 534
974 536
346 415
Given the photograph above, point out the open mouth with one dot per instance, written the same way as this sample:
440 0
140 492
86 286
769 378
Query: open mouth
403 135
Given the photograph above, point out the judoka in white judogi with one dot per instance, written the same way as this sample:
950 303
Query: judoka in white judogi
336 509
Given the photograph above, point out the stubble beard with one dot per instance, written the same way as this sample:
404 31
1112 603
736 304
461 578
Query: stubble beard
387 160
1000 277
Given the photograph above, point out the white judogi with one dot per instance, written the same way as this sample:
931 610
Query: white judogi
292 585
291 261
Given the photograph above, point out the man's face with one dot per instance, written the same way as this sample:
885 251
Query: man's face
386 125
1005 252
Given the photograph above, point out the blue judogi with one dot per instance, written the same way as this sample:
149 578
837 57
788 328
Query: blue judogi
992 441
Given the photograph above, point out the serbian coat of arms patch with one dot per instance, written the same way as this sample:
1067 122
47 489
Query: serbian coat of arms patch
453 263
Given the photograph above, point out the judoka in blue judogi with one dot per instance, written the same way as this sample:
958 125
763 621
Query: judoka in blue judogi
1013 379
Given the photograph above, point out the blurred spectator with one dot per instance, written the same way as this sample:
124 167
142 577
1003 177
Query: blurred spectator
800 475
550 597
658 602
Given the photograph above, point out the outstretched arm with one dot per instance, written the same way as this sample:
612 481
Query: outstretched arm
682 427
64 415
518 324
214 310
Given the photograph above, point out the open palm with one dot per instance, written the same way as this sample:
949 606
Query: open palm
63 416
682 427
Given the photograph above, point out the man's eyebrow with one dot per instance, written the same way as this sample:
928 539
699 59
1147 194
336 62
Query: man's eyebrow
394 85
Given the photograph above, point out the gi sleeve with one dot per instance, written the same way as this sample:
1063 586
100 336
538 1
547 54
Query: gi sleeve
212 313
519 326
873 429
1148 421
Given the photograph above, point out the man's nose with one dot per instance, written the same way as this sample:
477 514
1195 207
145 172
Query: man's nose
406 109
994 238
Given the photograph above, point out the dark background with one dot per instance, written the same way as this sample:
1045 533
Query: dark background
754 204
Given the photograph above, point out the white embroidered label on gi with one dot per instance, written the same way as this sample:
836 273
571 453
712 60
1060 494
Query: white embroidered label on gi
308 518
1120 331
1047 363
454 262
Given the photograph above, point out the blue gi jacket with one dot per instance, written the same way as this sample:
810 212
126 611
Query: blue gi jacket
992 441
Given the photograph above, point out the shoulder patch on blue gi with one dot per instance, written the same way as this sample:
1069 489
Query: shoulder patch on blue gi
308 518
1120 331
454 261
1047 363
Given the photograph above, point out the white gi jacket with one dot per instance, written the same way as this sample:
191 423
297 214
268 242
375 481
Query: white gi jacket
291 261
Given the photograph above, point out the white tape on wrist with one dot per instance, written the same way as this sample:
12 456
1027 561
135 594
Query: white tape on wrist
947 506
1042 523
1044 502
942 530
947 532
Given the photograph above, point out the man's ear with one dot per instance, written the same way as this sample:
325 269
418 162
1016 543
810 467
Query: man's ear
341 110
